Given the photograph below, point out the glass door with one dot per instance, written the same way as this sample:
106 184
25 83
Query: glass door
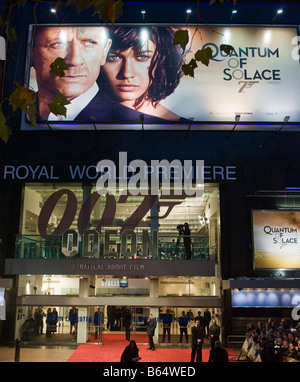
139 318
95 325
167 327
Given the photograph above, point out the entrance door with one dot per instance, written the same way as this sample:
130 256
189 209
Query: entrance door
96 324
139 318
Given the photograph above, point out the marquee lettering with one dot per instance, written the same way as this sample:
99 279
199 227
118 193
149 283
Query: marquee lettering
108 214
90 245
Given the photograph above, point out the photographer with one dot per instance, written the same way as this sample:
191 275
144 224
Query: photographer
187 241
180 233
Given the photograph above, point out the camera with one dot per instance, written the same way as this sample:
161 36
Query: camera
180 228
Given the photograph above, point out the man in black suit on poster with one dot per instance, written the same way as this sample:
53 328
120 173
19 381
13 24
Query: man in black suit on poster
84 50
197 342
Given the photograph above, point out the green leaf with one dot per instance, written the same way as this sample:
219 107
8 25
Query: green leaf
226 48
115 10
57 106
204 55
181 37
188 69
32 113
11 34
80 4
58 67
21 98
5 131
109 10
22 3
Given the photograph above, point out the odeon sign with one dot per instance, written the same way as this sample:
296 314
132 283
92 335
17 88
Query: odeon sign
90 247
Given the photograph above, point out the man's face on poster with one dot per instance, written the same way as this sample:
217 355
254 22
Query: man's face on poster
84 50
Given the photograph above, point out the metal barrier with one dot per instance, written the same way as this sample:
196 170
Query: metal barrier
17 350
98 333
236 339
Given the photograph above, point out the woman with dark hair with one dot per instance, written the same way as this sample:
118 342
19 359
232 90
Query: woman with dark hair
130 353
142 68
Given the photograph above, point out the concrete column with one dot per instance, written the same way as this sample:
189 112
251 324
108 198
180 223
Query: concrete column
82 332
153 292
82 325
84 287
155 313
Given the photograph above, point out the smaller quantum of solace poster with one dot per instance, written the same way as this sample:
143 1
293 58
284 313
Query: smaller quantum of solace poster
276 239
126 75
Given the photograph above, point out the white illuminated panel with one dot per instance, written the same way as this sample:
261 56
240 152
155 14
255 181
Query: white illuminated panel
265 298
276 239
259 80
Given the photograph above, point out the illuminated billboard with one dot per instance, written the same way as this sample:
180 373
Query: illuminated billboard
276 239
265 298
123 76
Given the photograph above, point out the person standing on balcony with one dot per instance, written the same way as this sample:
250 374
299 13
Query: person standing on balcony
187 241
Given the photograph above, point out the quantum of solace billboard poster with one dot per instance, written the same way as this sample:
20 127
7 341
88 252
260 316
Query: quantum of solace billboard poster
276 239
127 75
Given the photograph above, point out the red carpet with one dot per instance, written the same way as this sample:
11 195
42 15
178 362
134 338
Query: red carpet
114 344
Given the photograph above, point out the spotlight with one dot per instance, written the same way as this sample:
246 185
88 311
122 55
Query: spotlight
142 119
202 220
188 11
237 120
279 11
143 12
233 12
52 10
285 121
191 119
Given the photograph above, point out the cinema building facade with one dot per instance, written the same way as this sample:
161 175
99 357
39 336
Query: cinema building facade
137 259
70 246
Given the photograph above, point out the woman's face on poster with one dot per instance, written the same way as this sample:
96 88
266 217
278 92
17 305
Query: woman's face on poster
127 72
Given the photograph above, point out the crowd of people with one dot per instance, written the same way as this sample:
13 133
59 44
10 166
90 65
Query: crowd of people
199 331
272 342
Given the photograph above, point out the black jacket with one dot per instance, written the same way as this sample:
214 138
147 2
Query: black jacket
218 355
197 333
